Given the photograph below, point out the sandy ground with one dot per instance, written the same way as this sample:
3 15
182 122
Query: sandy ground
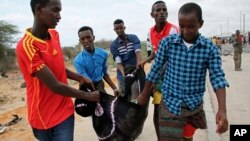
13 101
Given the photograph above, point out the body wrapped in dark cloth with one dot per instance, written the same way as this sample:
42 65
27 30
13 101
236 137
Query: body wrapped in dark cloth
117 118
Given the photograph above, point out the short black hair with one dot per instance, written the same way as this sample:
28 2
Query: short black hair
84 28
33 4
157 2
191 7
118 21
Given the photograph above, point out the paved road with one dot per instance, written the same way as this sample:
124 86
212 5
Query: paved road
238 96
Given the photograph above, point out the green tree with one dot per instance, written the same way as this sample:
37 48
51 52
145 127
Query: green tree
7 39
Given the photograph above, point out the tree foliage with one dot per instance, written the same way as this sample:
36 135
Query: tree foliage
7 39
103 44
7 34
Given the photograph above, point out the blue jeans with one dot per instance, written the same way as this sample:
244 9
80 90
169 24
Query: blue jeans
62 132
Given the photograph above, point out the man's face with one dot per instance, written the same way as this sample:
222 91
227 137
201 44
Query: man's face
189 26
49 15
119 29
87 38
159 13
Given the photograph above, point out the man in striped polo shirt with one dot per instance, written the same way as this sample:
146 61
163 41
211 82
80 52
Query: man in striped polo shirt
126 51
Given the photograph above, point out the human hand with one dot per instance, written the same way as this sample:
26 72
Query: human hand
86 81
154 88
222 122
142 100
117 92
140 64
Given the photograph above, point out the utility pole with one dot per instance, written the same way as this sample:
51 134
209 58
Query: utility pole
244 23
227 25
240 20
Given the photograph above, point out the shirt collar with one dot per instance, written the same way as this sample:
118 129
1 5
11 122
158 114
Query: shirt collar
154 29
86 52
198 42
120 40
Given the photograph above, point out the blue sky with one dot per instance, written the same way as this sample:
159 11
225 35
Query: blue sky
219 16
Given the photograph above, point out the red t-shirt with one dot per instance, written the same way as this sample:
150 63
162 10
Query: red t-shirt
46 109
156 37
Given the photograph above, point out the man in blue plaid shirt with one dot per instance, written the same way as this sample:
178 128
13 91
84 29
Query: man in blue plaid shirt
188 55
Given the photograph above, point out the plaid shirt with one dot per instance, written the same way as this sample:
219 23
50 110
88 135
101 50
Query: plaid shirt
185 76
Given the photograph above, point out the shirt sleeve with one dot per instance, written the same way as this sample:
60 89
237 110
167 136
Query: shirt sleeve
216 73
79 66
33 59
160 59
118 60
173 31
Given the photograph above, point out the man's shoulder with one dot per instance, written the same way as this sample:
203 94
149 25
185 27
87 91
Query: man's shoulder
172 25
206 42
101 51
114 42
20 42
28 41
131 35
78 57
152 28
173 37
205 39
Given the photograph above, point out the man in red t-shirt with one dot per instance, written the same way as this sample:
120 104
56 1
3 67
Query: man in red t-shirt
161 29
40 58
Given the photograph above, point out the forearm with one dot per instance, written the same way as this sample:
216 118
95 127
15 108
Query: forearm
151 57
138 56
143 98
221 98
66 90
146 89
109 81
72 75
48 78
120 68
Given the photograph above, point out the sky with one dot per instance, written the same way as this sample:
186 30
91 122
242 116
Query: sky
220 16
